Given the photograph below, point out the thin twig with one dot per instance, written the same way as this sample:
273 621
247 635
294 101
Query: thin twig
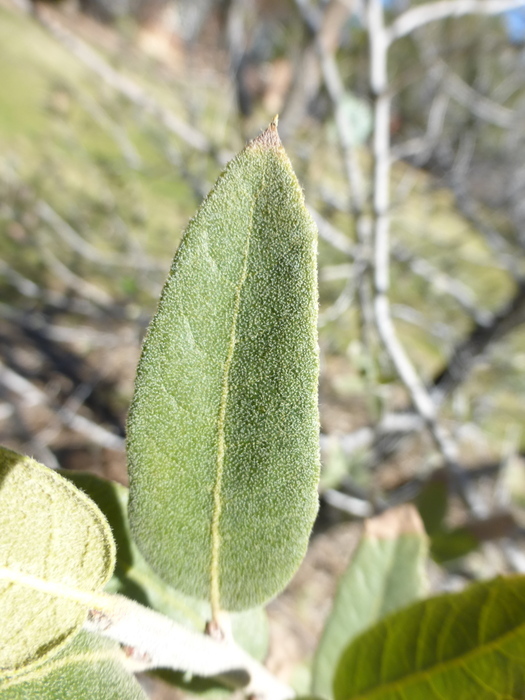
117 132
421 146
32 396
420 397
122 84
418 16
77 243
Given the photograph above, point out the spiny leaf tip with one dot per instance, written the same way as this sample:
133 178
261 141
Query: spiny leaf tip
269 138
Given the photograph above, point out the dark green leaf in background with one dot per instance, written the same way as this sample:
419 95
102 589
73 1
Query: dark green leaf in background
223 428
52 538
461 646
432 502
387 572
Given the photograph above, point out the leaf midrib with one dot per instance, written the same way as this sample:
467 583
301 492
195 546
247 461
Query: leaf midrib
221 422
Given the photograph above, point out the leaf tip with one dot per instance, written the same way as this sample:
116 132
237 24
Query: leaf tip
269 138
403 520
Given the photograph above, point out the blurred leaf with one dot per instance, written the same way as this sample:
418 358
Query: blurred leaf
90 668
334 464
447 545
432 502
453 647
358 116
53 540
386 573
513 479
223 427
134 578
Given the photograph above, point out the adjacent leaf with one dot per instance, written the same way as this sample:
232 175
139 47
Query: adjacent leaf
134 578
223 427
90 668
452 647
449 544
335 464
386 573
53 539
432 502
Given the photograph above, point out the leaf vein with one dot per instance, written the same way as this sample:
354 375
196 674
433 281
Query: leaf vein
221 447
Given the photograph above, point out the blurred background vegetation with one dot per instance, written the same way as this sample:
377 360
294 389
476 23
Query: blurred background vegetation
116 116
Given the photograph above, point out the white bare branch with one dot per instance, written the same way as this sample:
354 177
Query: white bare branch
420 396
433 11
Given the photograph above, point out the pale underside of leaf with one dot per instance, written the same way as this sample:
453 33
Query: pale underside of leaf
89 668
386 573
223 429
56 550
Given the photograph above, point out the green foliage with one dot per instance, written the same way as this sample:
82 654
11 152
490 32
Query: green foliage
458 646
386 573
134 578
432 503
223 427
54 542
448 544
90 668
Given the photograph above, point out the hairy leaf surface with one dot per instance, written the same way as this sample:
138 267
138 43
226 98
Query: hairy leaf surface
223 428
134 578
386 573
452 647
90 668
54 541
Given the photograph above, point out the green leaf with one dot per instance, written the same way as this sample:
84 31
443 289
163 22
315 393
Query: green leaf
432 502
452 647
386 573
223 428
134 578
56 549
449 544
90 668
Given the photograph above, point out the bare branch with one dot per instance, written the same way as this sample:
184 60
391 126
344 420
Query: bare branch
482 107
355 507
323 28
122 84
82 287
470 350
341 304
419 395
335 88
421 146
443 284
68 234
433 11
331 234
117 132
32 396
